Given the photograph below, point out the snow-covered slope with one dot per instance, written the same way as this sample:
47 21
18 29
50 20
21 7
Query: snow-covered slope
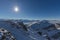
17 32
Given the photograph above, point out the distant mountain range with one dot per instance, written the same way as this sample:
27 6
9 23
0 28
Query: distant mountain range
29 29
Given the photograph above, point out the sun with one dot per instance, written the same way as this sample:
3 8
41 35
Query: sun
16 9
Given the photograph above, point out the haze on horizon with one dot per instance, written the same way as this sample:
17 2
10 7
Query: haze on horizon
30 9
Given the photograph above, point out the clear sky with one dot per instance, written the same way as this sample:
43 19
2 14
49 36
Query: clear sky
30 9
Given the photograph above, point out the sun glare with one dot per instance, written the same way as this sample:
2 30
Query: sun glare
16 9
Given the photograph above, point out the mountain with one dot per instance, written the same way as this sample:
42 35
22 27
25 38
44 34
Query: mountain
29 30
47 28
16 30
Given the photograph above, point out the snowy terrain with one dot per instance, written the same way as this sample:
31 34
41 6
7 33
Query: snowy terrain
30 30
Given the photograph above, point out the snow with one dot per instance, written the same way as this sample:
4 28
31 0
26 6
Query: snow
34 29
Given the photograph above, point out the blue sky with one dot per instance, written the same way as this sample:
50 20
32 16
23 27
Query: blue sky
30 9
